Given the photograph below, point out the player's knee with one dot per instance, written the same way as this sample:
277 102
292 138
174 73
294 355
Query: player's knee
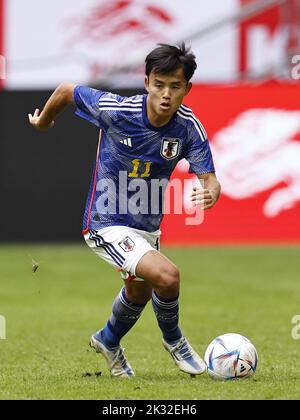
169 278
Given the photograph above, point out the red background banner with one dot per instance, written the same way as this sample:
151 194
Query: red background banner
269 19
243 220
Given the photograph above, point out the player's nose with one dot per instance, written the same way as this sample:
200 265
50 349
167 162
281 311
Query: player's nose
167 93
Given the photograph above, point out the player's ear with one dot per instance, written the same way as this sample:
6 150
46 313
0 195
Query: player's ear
188 88
147 83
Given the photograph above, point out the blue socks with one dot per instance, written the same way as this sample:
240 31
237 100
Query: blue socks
124 315
166 311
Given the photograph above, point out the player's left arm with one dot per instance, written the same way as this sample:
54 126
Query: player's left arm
209 195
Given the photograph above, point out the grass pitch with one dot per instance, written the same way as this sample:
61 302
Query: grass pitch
51 313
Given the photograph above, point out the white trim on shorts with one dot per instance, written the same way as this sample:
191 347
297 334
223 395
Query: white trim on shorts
122 246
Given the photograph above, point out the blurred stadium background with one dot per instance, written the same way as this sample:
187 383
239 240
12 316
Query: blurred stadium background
247 94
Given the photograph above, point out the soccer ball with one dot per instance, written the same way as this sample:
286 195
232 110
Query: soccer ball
231 356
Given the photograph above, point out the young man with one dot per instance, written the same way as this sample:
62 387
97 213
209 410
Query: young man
141 140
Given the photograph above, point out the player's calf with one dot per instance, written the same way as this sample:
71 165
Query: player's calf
138 292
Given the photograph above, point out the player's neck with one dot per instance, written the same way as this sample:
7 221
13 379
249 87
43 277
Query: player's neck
155 119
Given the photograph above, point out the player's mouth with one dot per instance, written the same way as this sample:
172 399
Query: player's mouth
165 106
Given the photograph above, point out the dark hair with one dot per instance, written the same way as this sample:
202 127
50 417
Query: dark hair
168 58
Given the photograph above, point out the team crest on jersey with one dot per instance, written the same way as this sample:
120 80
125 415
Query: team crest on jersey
169 148
127 244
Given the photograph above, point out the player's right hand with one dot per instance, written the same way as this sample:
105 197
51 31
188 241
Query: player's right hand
36 122
203 197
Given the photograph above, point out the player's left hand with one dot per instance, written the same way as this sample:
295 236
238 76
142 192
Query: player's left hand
203 197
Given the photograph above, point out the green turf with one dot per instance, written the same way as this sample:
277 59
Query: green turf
50 315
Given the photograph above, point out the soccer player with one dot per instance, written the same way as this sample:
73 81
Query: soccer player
141 140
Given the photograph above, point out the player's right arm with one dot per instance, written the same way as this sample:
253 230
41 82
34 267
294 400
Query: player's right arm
58 101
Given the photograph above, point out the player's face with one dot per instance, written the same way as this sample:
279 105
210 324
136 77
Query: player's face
165 95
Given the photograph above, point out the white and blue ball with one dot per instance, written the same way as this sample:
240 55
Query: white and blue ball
231 356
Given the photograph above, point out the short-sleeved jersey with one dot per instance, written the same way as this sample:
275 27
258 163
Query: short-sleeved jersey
135 159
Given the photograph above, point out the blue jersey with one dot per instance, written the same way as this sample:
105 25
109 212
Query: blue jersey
135 158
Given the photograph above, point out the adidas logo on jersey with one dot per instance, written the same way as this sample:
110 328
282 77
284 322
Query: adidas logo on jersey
127 142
